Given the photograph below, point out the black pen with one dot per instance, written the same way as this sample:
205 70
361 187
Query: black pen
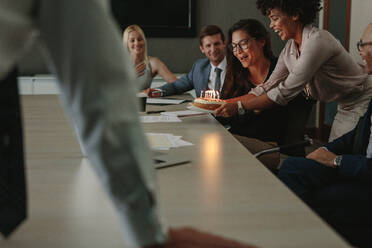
173 164
155 112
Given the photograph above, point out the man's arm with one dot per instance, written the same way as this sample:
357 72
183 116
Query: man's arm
85 51
323 156
181 85
97 86
343 145
353 166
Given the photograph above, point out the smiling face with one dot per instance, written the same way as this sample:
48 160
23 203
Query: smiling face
136 43
285 26
249 51
213 47
366 50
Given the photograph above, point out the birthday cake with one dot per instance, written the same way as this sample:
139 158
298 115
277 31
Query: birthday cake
209 100
207 103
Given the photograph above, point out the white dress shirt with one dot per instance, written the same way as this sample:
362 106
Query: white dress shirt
212 74
369 148
84 50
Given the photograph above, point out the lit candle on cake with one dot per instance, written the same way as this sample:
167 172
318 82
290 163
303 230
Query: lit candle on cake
209 99
210 94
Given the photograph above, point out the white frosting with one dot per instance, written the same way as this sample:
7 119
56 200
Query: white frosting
208 101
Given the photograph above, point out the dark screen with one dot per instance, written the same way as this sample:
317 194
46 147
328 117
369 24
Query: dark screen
158 18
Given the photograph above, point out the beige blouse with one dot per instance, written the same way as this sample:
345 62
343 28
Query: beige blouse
324 69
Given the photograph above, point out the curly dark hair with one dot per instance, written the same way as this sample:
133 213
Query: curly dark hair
306 9
237 78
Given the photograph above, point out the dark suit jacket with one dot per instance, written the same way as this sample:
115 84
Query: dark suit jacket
196 79
353 146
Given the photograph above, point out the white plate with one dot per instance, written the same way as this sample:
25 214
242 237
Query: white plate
193 107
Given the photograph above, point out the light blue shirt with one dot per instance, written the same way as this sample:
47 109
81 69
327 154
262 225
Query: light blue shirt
369 148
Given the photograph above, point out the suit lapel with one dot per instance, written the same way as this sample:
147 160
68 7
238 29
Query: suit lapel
366 129
205 76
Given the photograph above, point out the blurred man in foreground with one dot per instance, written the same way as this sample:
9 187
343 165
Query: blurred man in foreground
84 50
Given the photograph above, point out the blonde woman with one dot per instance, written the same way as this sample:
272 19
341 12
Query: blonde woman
146 66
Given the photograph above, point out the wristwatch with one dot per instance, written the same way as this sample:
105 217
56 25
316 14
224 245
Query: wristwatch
337 162
241 110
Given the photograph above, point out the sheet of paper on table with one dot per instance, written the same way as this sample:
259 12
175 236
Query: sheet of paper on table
165 141
182 113
164 101
159 118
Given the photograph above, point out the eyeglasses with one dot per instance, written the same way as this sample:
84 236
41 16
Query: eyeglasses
243 45
360 44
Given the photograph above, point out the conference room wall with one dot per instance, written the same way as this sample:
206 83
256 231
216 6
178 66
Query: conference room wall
180 53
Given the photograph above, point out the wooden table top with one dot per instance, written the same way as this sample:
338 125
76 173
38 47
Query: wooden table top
223 190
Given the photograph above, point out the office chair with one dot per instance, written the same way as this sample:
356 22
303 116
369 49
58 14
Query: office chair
287 148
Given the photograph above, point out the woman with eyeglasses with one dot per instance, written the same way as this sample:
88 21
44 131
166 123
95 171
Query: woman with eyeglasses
250 59
250 62
313 62
147 67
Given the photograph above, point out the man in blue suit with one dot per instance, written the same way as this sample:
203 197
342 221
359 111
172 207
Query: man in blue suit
204 72
336 180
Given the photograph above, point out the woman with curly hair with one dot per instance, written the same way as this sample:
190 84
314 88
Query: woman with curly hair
313 63
250 62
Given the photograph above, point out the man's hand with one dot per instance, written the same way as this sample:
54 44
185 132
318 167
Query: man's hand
227 109
153 92
323 156
140 68
191 238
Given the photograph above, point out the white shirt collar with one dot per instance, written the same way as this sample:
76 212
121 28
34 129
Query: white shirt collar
221 65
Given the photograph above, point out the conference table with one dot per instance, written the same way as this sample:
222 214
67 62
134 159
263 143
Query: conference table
223 190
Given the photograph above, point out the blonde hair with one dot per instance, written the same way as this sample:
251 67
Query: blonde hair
139 30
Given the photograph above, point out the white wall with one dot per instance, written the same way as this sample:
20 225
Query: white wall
47 85
361 16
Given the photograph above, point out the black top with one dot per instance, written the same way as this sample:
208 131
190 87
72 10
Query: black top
281 124
235 89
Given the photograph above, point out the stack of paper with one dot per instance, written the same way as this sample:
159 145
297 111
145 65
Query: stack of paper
159 118
165 141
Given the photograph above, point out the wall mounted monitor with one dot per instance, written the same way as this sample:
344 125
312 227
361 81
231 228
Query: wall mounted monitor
158 18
